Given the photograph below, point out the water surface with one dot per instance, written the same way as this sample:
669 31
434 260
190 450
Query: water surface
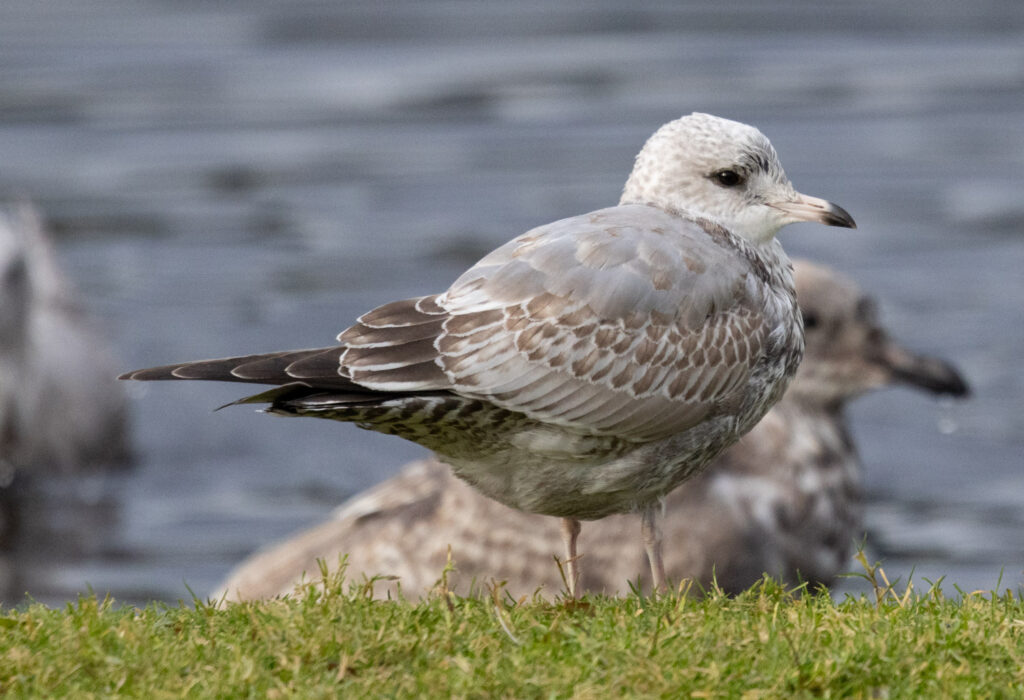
225 179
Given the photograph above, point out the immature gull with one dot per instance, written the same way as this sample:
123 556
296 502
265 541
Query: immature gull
60 409
785 500
590 365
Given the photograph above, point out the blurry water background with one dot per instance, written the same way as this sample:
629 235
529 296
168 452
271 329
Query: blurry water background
225 178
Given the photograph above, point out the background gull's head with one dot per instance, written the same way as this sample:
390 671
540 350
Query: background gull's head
725 171
849 352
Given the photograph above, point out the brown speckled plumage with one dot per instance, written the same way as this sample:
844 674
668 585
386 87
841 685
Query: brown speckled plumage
590 365
785 500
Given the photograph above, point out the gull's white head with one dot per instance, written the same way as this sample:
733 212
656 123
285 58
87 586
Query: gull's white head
727 172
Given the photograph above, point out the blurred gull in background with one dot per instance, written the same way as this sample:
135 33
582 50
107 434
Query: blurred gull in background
61 410
786 500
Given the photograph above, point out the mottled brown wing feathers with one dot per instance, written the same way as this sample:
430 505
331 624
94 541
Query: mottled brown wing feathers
630 321
601 323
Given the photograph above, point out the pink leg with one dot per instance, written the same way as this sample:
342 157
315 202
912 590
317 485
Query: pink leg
652 543
570 531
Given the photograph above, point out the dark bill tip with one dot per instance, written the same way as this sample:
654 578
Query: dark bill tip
803 207
932 374
835 215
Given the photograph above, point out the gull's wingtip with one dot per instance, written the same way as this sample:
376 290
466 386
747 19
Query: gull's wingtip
203 369
152 373
215 370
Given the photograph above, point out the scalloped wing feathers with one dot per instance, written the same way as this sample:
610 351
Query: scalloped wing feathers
629 321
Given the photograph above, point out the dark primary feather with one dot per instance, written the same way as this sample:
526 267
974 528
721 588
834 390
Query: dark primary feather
269 368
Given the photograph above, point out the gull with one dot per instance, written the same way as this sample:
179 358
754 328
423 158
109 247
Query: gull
591 365
785 500
61 411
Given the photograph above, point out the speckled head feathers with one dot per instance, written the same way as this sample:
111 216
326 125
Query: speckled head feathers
725 171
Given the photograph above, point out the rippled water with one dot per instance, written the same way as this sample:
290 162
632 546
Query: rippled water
225 180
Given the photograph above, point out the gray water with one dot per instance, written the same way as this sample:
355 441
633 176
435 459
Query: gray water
225 178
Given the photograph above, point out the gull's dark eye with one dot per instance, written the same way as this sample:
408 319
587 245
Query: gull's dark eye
867 310
810 320
728 178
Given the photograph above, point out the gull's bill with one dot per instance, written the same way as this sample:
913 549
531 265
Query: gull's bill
807 208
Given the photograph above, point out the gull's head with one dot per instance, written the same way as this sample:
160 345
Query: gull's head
849 351
725 171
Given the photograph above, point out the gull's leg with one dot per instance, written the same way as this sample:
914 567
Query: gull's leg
570 531
651 532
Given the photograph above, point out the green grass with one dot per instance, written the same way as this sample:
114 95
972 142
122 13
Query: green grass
336 639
